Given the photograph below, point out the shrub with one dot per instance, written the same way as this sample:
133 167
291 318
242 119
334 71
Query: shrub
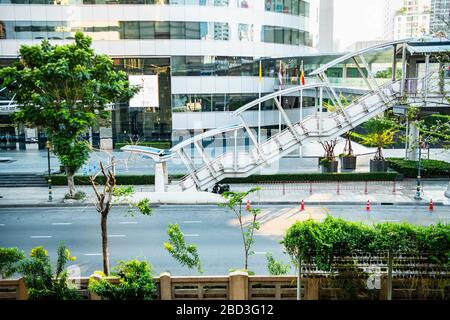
429 168
44 284
275 267
9 261
136 282
79 195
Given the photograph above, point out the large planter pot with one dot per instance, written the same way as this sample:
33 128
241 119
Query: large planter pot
348 163
331 166
320 159
378 165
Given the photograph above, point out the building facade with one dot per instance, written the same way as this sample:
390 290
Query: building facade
412 19
440 17
193 55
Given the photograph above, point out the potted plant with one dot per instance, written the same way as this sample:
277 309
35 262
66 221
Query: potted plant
380 134
348 159
328 162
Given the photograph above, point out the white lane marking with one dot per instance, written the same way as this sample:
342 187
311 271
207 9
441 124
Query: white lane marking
260 252
117 236
2 225
39 237
92 254
128 222
62 223
389 220
191 235
262 234
192 221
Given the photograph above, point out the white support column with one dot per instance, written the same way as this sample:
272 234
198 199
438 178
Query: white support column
413 139
425 80
235 158
402 87
324 78
161 177
371 77
320 110
301 119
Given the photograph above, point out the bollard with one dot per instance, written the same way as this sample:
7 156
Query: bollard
310 188
302 206
365 188
368 205
431 208
337 191
393 188
247 206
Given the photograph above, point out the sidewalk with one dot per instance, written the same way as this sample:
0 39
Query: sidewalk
323 194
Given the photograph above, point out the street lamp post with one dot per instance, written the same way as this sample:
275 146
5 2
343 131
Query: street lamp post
48 146
418 196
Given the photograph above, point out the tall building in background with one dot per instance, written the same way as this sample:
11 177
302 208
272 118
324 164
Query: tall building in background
326 26
390 8
412 19
440 17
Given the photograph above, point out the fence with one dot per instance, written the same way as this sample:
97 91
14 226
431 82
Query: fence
338 187
240 286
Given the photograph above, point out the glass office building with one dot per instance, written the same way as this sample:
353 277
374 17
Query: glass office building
201 57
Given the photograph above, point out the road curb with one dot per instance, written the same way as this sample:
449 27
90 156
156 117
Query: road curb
295 203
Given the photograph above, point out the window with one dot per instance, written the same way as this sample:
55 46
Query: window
193 30
147 29
221 31
162 30
177 30
278 35
131 30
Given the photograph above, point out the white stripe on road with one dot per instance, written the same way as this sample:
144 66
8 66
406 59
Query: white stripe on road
260 252
117 236
263 234
128 222
192 221
2 225
92 254
39 237
191 235
389 220
61 223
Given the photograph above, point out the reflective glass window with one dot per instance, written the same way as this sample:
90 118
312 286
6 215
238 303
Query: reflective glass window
193 30
147 29
162 30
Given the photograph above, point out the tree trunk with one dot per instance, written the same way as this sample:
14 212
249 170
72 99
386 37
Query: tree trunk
70 182
105 244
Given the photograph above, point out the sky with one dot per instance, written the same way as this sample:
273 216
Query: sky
358 20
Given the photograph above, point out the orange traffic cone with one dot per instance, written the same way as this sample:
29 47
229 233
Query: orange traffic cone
431 205
302 206
247 206
368 205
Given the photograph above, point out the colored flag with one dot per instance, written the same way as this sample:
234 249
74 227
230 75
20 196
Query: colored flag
302 76
260 71
280 74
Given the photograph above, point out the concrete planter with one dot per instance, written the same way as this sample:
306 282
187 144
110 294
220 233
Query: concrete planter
331 166
348 163
378 165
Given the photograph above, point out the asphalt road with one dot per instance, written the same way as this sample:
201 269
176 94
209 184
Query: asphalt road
211 228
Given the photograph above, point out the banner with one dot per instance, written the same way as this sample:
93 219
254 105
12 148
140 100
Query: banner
148 95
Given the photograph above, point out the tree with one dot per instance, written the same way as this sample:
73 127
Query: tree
380 133
41 281
234 202
9 261
185 254
276 268
104 203
63 89
136 282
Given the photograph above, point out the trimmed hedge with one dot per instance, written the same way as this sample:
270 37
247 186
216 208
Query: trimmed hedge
322 242
61 180
429 168
154 144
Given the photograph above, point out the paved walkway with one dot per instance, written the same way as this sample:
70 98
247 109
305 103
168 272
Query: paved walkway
323 193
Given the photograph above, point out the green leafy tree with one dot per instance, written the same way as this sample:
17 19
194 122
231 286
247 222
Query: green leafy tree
63 89
10 259
105 199
135 282
186 254
275 267
41 281
380 133
235 202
